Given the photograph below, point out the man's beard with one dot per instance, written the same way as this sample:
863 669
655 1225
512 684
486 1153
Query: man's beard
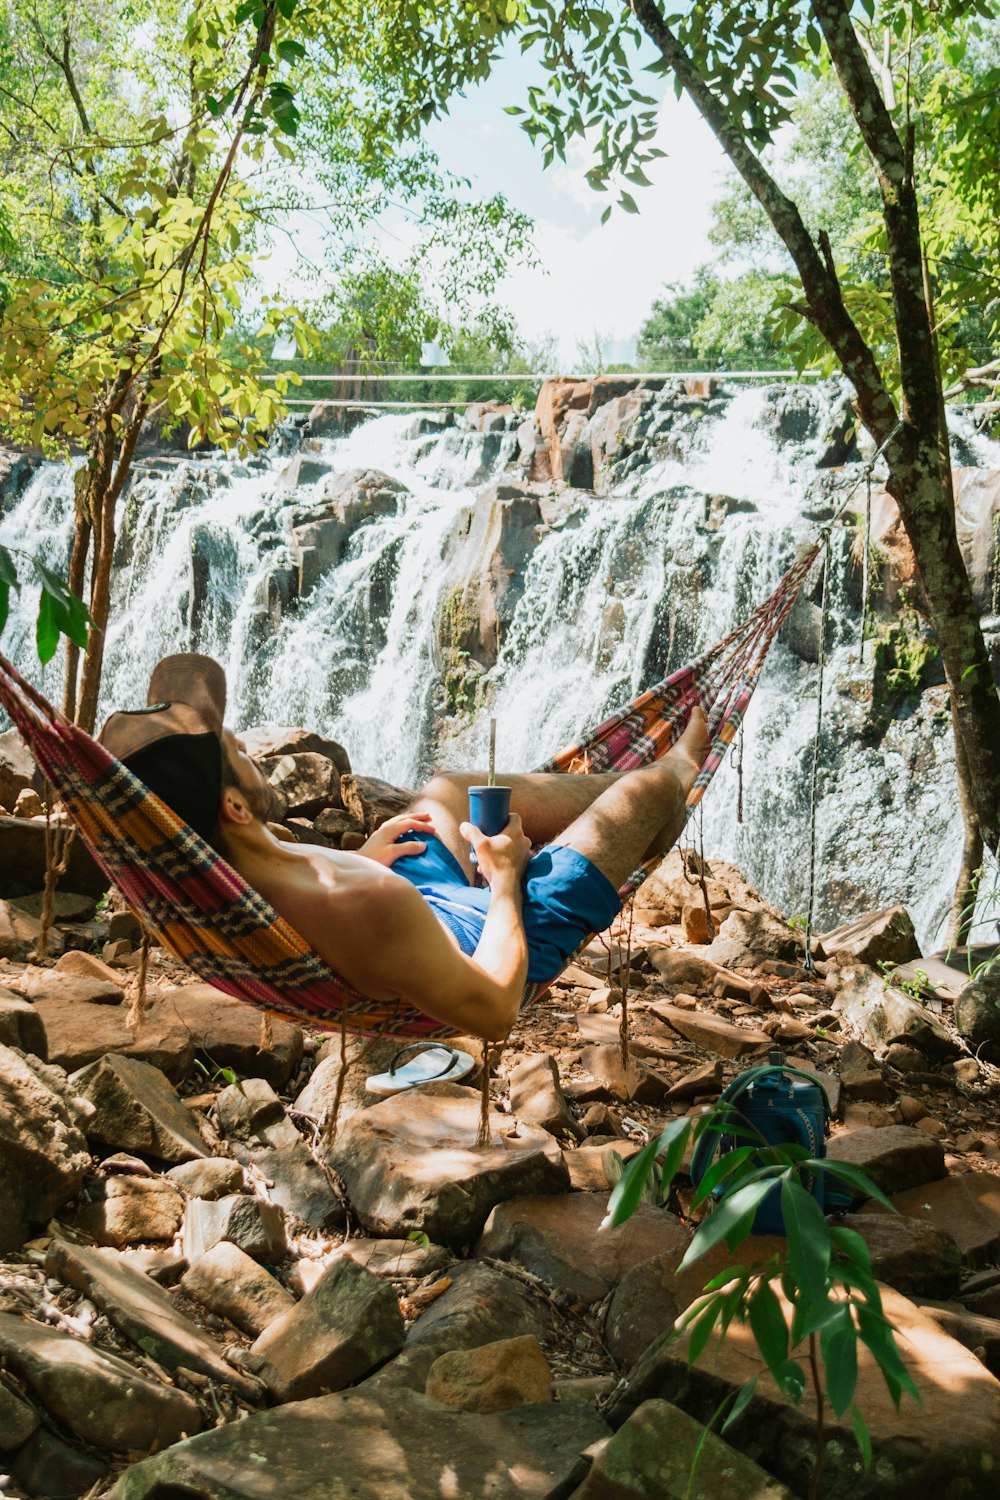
264 802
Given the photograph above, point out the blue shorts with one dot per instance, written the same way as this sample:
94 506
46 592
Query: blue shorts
566 898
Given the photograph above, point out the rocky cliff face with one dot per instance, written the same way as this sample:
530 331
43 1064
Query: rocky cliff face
388 585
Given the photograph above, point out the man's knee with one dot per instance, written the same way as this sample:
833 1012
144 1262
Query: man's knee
446 787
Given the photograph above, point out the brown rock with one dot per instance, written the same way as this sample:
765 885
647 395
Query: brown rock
227 1032
895 1158
697 924
912 1255
256 1227
143 1312
333 822
682 970
966 1208
747 937
276 740
879 937
306 782
397 1258
592 1168
131 1210
232 1285
21 1025
80 1034
710 1031
212 1178
860 1075
74 989
634 1082
28 804
17 768
536 1096
981 1335
396 1183
700 1083
370 801
561 1240
347 1326
23 843
661 1453
136 1109
18 1420
953 1431
43 1153
100 1398
89 966
377 1443
493 1377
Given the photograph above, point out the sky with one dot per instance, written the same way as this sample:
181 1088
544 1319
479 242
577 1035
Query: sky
590 277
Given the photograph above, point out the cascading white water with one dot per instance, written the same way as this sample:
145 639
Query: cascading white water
618 590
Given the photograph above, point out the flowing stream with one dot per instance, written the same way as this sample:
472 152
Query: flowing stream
619 589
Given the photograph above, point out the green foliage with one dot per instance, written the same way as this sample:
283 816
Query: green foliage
716 324
59 612
829 1302
918 988
984 898
903 652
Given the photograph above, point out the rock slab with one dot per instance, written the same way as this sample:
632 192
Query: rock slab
99 1397
348 1325
43 1152
137 1109
411 1163
368 1445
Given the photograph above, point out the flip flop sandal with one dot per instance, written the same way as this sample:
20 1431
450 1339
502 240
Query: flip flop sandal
434 1064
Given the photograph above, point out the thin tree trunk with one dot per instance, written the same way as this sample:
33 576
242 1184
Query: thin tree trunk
82 532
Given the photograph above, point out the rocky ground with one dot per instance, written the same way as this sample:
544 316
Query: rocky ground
208 1288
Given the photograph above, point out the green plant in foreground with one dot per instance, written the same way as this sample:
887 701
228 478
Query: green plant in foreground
829 1301
918 988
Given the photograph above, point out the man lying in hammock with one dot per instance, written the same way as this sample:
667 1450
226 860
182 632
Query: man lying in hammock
401 918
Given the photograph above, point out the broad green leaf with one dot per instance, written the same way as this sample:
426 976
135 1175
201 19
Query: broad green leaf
700 1327
839 1346
627 1192
47 627
767 1323
808 1239
727 1166
674 1144
729 1221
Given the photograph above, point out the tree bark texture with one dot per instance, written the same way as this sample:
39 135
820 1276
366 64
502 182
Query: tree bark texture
917 479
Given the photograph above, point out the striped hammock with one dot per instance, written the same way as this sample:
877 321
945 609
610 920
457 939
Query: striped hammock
207 916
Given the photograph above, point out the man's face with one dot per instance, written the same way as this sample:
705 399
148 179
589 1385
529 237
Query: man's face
260 795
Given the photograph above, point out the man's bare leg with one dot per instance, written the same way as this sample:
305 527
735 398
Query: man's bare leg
643 813
552 805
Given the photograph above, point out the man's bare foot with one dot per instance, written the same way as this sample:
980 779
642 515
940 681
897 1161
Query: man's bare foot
691 750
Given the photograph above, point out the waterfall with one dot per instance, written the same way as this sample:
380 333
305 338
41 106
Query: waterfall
698 524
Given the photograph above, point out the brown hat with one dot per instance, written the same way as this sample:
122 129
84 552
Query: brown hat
174 744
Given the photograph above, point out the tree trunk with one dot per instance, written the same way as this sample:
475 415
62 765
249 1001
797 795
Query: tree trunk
912 434
83 529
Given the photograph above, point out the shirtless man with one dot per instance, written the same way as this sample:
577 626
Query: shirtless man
400 917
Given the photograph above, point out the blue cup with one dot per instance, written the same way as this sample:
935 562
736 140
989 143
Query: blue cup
489 810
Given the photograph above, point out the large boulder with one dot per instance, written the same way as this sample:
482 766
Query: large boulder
136 1109
373 1444
977 1015
226 1032
880 1014
43 1151
321 535
22 861
747 938
306 782
412 1163
17 768
950 1440
879 937
497 538
277 739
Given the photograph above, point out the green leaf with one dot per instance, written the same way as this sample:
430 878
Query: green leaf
854 1177
627 1192
726 1166
628 203
290 51
64 610
808 1240
767 1323
863 1437
8 581
606 215
675 1141
47 627
839 1345
729 1221
791 1379
701 1326
743 1398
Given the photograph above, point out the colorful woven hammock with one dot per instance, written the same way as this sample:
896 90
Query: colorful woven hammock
205 914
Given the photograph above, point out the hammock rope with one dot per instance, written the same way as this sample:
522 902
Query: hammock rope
208 917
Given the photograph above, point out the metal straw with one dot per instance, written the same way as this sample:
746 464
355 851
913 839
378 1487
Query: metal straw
492 780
